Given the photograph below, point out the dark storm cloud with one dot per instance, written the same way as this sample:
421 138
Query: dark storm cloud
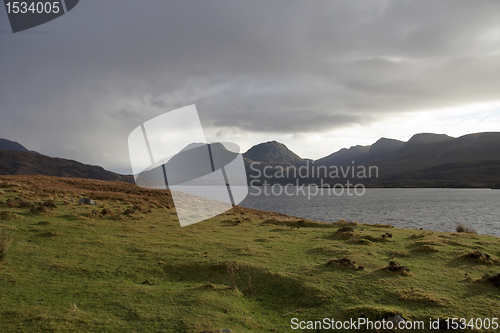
282 66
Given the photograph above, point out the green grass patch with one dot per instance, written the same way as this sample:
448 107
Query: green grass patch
82 268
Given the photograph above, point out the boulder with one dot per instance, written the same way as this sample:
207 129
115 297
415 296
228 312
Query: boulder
87 201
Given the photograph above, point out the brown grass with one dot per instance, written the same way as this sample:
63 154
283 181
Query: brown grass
463 228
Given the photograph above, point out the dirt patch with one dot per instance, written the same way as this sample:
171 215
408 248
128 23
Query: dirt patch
345 262
394 267
93 214
480 257
49 204
107 211
346 229
129 212
39 210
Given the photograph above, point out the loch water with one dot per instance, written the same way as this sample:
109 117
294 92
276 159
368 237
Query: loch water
415 208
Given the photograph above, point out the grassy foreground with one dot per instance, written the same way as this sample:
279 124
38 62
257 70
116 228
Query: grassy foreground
125 265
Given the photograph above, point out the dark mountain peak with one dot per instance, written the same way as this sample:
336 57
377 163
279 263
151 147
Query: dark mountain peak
273 152
15 146
428 138
385 147
11 145
387 141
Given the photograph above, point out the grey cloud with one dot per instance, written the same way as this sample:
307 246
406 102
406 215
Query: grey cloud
124 114
159 103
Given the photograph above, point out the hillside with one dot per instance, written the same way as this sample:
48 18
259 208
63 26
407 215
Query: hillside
27 163
125 265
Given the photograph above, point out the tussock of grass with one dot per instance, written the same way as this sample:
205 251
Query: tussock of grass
361 241
342 235
19 202
463 228
344 223
49 204
5 215
40 210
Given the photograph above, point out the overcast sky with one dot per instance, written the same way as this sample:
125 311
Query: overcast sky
315 75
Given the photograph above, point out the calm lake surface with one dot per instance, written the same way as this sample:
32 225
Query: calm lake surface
431 209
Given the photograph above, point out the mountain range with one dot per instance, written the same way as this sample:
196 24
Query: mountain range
426 160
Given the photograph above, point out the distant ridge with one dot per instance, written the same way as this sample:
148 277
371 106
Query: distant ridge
15 159
426 160
27 163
